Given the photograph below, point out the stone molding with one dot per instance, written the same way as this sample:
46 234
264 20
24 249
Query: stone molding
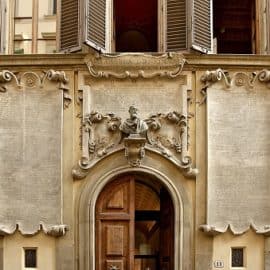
213 230
30 79
51 230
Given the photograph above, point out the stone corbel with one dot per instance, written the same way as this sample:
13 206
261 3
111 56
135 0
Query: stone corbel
32 79
56 230
60 77
134 149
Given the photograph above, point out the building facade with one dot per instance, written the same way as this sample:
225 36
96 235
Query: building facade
146 149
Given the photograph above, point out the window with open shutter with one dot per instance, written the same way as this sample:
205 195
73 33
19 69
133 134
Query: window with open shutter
70 25
138 30
201 25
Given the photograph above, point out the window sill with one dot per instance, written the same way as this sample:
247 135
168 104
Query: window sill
50 16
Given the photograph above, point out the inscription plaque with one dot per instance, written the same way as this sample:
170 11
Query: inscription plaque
30 158
238 157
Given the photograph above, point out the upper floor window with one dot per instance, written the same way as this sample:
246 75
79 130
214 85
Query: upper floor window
238 27
2 25
135 25
235 26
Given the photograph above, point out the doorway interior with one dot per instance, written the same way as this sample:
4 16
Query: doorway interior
134 225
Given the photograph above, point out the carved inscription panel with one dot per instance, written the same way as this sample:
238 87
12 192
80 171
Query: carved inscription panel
30 157
149 96
238 157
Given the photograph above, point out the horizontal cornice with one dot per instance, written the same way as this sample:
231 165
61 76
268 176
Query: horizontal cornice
194 61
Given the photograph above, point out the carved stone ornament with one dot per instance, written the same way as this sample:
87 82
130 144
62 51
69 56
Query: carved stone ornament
31 79
134 149
213 231
130 65
52 230
239 79
166 134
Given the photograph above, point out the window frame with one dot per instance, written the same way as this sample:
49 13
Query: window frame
36 258
244 258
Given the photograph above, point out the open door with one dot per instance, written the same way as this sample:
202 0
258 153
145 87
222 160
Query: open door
134 226
166 231
115 226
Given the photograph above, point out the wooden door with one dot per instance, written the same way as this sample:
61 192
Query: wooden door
115 225
166 260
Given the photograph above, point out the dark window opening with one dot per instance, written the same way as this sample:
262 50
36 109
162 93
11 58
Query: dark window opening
237 257
234 26
135 25
30 258
54 7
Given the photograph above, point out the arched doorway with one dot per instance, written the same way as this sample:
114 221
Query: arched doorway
134 225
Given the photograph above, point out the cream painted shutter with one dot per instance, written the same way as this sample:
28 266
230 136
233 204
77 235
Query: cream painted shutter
201 25
176 30
70 25
95 34
3 11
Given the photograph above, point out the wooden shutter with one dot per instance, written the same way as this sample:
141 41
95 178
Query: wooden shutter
115 225
3 11
69 25
268 25
201 25
95 34
176 30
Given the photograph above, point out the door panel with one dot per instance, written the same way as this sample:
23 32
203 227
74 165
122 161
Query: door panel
166 231
115 225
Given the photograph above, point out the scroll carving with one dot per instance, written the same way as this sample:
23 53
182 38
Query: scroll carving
101 133
239 79
31 79
166 134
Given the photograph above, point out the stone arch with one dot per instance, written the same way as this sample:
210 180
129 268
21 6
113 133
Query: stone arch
110 168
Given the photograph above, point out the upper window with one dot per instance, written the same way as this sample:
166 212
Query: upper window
239 27
234 26
135 26
2 25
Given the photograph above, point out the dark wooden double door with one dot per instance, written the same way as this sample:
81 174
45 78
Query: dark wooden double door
115 228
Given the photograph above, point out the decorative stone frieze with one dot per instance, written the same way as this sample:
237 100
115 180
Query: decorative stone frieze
52 230
213 230
30 79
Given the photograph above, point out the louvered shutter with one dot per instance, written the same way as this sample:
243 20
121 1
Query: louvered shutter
201 25
70 25
95 34
268 25
2 25
176 30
